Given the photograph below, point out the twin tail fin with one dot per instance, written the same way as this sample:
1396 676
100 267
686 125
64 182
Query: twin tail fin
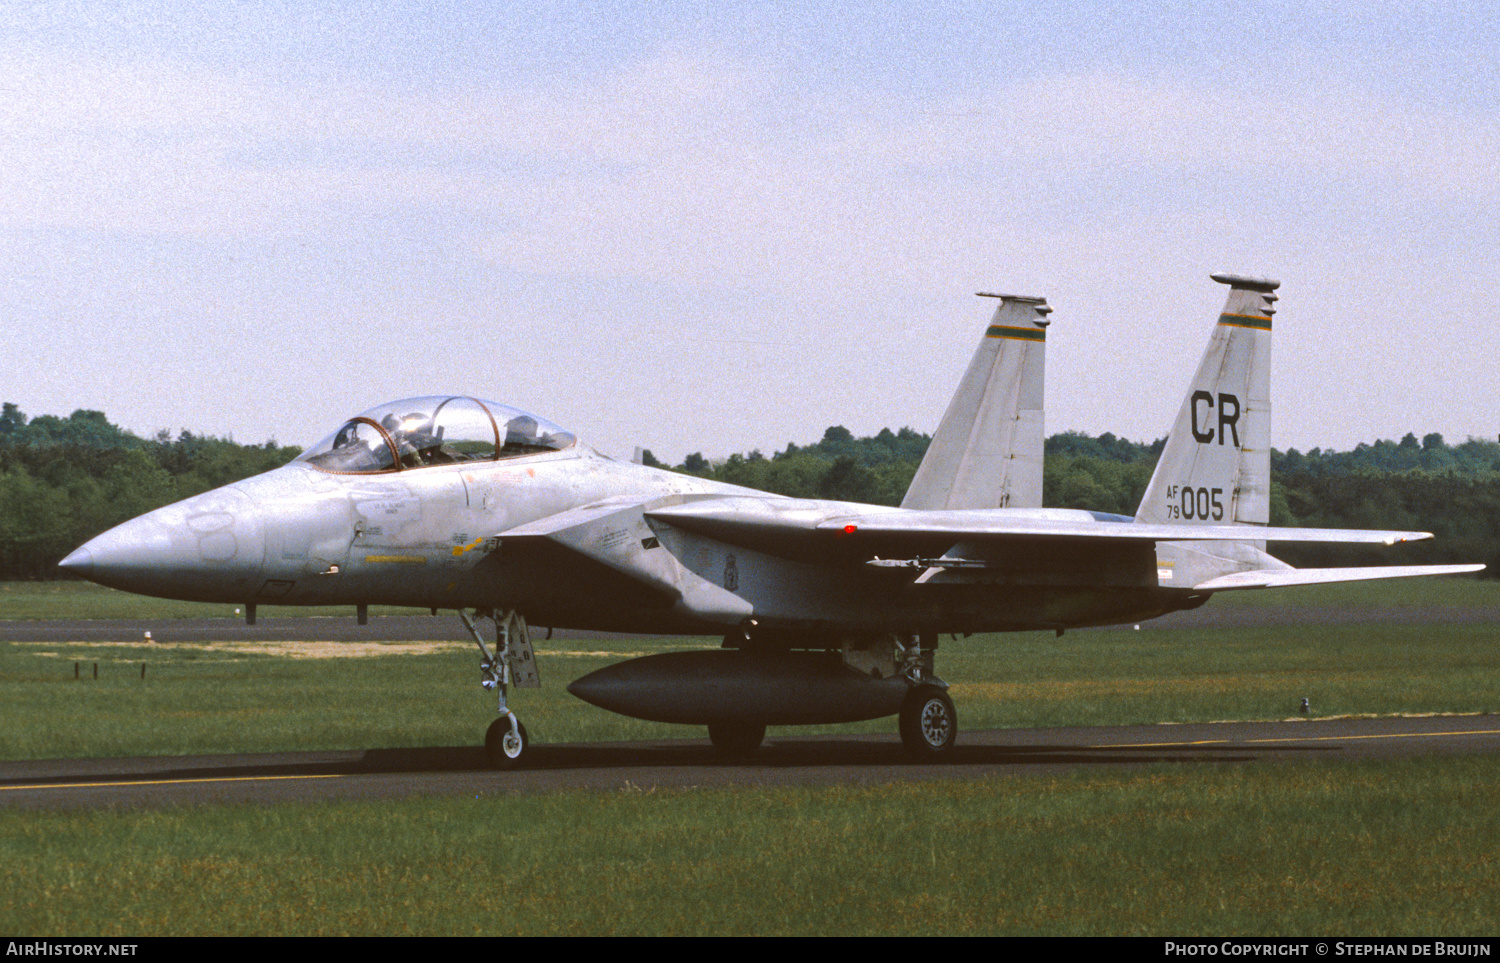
987 452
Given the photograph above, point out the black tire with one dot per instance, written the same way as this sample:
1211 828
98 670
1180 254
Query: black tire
929 723
503 750
736 740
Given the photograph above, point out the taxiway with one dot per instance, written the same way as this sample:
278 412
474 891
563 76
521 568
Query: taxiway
688 763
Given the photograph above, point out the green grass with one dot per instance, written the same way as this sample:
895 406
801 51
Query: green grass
1195 675
1366 849
1396 848
228 697
231 697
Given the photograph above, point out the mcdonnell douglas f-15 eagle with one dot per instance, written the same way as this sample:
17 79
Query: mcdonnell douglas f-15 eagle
830 611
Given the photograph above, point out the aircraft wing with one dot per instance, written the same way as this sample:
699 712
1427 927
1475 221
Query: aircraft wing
794 528
970 529
960 543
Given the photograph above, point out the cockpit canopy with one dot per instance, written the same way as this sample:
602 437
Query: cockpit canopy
436 430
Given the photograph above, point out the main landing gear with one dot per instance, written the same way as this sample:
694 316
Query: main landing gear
506 743
928 722
738 695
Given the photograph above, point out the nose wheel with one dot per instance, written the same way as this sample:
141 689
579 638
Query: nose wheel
506 742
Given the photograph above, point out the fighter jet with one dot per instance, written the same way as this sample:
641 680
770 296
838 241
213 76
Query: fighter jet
829 611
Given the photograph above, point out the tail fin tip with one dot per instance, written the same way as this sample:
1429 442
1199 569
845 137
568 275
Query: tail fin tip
1243 283
987 451
1021 298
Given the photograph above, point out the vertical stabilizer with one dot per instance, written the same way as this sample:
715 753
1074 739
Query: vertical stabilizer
987 452
1216 467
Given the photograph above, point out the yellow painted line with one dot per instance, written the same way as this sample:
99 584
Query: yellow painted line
1251 742
168 782
398 559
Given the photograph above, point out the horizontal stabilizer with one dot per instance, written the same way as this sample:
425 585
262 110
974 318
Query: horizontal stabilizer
1275 578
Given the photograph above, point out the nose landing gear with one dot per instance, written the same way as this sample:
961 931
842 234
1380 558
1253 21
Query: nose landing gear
506 743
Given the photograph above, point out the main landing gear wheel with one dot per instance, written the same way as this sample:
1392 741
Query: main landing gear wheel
929 723
506 747
736 740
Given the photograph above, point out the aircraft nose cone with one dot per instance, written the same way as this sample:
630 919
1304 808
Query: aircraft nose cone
208 548
80 562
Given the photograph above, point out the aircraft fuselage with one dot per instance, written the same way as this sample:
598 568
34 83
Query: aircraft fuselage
436 536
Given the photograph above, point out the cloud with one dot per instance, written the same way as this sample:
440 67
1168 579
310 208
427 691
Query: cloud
712 206
702 169
858 187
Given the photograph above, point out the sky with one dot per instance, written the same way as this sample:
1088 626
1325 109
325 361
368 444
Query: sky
726 226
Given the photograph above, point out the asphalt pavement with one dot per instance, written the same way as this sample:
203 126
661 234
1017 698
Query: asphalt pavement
790 760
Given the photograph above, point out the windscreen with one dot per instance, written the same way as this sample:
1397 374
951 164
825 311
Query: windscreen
436 430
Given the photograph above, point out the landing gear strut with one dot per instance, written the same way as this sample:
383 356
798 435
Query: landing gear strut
928 722
505 743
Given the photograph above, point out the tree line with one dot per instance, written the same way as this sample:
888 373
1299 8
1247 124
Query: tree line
65 480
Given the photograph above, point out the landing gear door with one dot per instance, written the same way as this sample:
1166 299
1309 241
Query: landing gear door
515 646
